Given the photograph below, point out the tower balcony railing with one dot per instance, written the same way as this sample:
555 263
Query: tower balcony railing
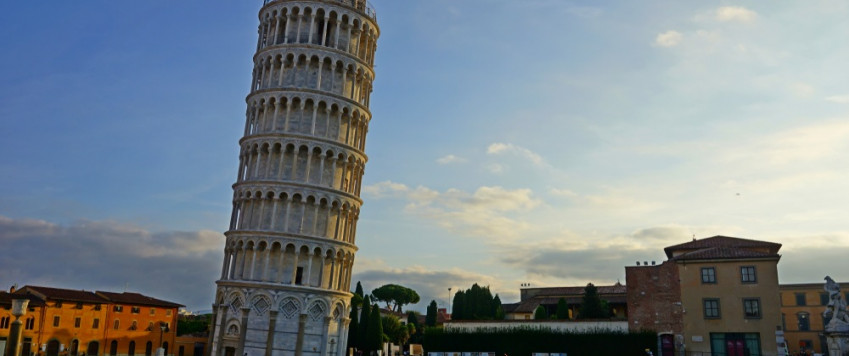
362 5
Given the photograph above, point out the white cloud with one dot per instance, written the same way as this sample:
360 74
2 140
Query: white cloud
429 283
450 159
108 255
488 211
840 99
563 193
735 13
504 148
669 38
495 168
384 189
802 90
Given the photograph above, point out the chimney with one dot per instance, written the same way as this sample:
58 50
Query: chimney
13 288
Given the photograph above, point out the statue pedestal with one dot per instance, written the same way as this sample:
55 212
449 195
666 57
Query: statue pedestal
838 343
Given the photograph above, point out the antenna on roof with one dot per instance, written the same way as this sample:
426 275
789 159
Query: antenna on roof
126 284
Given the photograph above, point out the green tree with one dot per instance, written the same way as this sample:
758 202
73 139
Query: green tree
475 303
353 328
562 309
430 318
374 336
193 324
365 314
591 305
417 329
393 330
499 313
395 296
458 306
359 290
540 314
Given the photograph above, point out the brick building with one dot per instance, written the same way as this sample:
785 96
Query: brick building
65 322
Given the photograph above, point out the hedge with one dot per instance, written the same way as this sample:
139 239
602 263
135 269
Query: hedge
524 341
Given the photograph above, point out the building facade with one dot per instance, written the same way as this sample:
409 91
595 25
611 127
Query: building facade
714 296
802 307
548 298
65 322
289 251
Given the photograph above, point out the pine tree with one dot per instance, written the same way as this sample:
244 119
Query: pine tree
430 318
562 309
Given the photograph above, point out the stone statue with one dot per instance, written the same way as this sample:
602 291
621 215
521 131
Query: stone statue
836 308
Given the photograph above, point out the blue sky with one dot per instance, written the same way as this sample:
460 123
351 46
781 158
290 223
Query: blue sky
539 141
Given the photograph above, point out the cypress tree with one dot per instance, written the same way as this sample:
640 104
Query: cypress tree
496 306
458 309
359 290
540 314
591 305
353 328
430 318
374 338
562 309
365 313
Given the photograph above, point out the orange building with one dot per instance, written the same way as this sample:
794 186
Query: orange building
802 306
65 322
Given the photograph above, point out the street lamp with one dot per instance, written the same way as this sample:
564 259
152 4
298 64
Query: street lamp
162 327
19 308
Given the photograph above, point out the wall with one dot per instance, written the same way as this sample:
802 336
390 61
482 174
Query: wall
654 298
558 325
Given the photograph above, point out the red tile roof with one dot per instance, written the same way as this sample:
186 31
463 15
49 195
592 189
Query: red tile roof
136 299
720 247
579 290
62 294
99 297
6 299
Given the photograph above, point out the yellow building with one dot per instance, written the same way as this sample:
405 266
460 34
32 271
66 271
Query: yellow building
713 296
65 322
802 306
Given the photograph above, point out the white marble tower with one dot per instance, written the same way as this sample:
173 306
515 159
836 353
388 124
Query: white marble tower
286 276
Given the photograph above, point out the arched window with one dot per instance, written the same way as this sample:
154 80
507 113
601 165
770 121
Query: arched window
75 347
165 348
148 349
131 350
113 348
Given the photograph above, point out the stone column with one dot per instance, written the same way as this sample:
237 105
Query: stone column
243 329
299 343
272 324
210 343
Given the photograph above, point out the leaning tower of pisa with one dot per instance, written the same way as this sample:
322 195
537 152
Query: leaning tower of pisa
285 281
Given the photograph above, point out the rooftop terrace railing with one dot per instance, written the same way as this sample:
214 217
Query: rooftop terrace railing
362 5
